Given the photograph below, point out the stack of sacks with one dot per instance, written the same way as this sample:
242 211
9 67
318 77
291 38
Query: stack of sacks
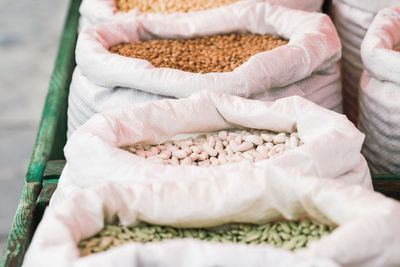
380 92
368 233
101 11
307 66
352 19
331 143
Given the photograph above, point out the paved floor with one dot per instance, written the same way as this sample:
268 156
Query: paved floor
29 32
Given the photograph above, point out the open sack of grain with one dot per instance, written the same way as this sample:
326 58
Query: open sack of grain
380 92
352 19
290 132
351 225
100 11
223 59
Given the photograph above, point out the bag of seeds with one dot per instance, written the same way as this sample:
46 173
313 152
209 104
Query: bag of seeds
100 11
228 54
352 19
240 136
380 92
338 224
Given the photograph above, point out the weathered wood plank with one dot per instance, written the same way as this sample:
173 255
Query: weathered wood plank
53 169
23 226
389 185
51 136
48 188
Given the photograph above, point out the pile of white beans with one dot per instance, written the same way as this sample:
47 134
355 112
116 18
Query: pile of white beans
219 148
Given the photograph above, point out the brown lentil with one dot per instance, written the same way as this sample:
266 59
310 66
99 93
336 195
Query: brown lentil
289 235
170 6
217 53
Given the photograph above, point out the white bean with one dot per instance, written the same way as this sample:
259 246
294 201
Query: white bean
267 137
257 140
196 149
187 149
233 146
210 141
280 138
194 156
203 156
165 154
174 161
223 135
238 139
180 154
219 147
293 142
209 150
186 161
244 146
205 163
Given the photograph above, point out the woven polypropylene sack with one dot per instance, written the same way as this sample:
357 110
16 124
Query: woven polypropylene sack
380 92
368 233
101 11
306 66
352 19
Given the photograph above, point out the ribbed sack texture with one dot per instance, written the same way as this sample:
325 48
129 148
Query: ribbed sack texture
306 66
352 19
380 92
101 11
368 233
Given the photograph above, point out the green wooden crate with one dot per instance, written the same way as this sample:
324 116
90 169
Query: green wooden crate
47 160
50 140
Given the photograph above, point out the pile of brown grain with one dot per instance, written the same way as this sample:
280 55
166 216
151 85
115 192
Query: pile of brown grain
170 6
217 53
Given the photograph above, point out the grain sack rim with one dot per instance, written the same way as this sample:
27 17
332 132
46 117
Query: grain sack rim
294 61
378 47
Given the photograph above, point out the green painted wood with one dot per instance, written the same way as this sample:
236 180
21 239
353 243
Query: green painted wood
51 135
23 226
53 169
48 188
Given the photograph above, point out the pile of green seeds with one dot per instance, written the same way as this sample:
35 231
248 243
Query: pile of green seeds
289 235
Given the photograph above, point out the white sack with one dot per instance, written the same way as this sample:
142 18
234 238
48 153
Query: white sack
100 11
352 19
368 234
380 92
331 147
306 66
87 99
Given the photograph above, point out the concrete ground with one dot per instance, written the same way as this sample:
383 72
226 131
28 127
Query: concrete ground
29 33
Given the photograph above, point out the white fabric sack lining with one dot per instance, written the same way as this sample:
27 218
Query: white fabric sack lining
331 147
86 99
101 11
352 19
380 92
368 234
313 47
307 66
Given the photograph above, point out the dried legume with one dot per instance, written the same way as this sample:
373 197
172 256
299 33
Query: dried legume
289 235
170 6
217 53
219 148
